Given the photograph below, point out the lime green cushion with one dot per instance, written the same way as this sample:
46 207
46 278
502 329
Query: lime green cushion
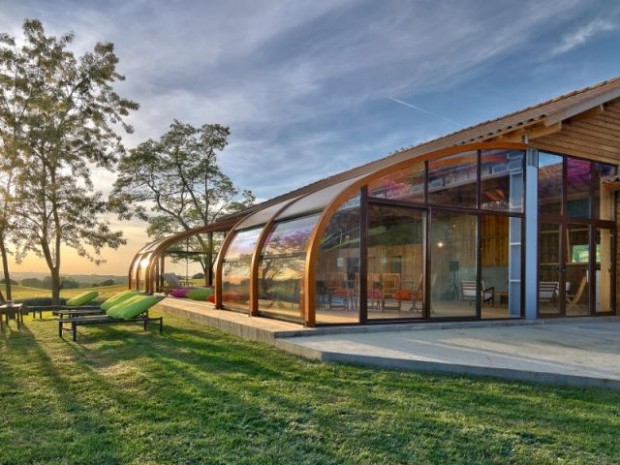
118 298
132 307
200 293
82 299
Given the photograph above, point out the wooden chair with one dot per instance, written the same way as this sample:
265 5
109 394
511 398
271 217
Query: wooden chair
338 294
573 300
548 291
390 287
373 289
469 292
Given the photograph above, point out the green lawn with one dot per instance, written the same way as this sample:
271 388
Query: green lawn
195 395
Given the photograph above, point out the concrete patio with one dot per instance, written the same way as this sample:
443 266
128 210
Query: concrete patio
577 351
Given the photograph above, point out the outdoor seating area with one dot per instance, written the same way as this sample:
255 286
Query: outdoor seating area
128 306
125 308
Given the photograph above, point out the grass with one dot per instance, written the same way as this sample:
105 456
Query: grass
194 395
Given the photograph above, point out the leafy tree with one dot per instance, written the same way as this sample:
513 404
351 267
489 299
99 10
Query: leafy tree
175 184
65 123
107 282
32 282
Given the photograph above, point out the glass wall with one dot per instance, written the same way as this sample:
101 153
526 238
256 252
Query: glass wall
577 253
338 270
549 268
395 279
282 266
576 238
454 265
603 198
501 180
406 185
550 183
236 270
578 188
500 262
604 269
453 180
474 264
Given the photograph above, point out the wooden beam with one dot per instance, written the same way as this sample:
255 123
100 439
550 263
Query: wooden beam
532 132
574 150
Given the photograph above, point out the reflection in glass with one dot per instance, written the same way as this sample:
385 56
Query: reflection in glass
500 257
282 266
454 265
236 270
501 180
578 181
549 268
603 198
338 265
577 264
550 183
395 280
453 180
317 200
406 185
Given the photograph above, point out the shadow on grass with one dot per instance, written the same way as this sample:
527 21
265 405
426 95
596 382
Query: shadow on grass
196 395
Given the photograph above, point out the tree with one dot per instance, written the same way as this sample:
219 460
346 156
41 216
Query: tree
32 282
65 121
175 184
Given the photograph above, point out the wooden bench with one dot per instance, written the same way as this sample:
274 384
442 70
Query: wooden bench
70 324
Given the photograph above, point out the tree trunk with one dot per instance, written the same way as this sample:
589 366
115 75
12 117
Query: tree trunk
55 285
5 267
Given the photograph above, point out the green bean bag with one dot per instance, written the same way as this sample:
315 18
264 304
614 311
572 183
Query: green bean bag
132 307
200 293
118 298
82 299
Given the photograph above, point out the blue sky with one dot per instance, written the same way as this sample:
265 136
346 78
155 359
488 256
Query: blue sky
312 88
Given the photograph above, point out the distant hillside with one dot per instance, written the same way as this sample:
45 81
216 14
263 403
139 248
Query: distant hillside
82 278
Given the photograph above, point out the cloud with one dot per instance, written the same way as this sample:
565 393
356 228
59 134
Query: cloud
582 35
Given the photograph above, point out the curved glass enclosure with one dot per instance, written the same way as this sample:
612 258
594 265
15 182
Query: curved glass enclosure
416 243
439 236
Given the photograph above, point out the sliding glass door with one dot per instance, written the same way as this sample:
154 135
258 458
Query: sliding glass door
395 276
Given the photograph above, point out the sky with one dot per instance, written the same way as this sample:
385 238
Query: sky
313 88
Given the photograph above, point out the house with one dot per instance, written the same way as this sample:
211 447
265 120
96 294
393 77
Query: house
511 218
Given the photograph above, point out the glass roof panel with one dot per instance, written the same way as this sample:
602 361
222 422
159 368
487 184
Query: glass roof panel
263 215
318 200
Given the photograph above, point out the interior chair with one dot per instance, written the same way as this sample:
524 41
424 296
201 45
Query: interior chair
469 290
390 289
548 291
373 289
338 293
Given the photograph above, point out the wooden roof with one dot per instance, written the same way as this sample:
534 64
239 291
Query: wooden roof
584 123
